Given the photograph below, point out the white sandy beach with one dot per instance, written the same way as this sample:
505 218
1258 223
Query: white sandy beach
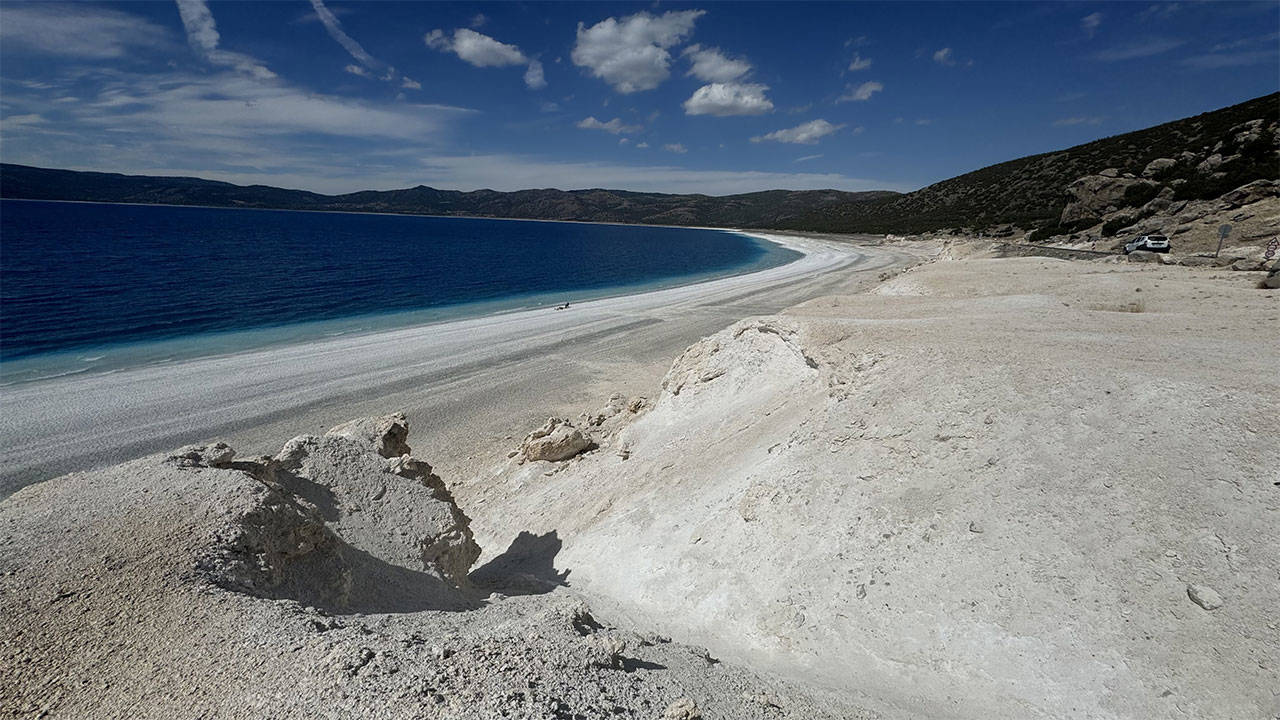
478 380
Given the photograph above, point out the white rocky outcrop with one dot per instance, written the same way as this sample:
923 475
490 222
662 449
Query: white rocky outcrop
350 520
555 441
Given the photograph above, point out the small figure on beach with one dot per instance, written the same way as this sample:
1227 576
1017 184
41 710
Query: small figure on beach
563 307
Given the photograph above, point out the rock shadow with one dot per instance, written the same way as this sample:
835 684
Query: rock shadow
527 567
379 587
631 665
313 492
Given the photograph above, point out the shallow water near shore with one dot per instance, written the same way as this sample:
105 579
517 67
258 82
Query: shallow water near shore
91 288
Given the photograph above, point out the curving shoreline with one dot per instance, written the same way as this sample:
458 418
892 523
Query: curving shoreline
443 374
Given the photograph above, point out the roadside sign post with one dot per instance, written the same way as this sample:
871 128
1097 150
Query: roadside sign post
1223 232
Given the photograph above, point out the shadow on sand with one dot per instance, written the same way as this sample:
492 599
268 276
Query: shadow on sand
526 568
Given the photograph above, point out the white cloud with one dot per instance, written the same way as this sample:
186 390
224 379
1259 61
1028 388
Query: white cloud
860 93
83 31
807 158
534 79
642 144
806 134
479 20
631 54
202 36
410 84
859 62
712 65
723 99
615 126
437 40
1138 49
1081 120
944 57
1090 23
481 50
676 148
358 70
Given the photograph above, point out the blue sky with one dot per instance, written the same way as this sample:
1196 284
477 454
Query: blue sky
703 97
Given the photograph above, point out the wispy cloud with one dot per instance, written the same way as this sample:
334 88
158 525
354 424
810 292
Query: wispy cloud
859 63
1240 52
860 93
1138 49
202 36
12 121
807 158
334 27
676 148
945 56
1238 43
1078 120
1159 11
1230 59
1090 23
615 126
806 134
82 31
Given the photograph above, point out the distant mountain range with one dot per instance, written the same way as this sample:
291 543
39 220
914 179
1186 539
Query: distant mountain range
1028 192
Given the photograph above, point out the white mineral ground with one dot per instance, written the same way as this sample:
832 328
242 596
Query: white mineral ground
984 488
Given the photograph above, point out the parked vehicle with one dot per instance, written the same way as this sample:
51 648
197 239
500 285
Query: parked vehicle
1150 243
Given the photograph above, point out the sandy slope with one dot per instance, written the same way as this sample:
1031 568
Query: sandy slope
985 490
466 385
327 582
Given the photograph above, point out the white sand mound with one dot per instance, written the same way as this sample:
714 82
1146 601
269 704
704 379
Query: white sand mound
330 581
987 500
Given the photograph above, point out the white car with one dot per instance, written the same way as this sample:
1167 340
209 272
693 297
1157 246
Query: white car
1150 243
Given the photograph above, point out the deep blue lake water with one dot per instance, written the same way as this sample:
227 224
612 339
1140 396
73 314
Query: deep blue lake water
83 278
